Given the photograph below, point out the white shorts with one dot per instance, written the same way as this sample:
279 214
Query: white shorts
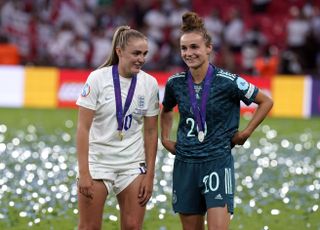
118 180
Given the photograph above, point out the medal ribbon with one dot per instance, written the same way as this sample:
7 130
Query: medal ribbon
117 92
200 113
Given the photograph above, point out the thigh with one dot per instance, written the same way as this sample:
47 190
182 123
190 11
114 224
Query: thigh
218 184
218 218
131 211
91 210
187 187
192 222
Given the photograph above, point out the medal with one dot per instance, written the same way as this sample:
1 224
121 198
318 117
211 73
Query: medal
200 111
120 135
201 136
121 113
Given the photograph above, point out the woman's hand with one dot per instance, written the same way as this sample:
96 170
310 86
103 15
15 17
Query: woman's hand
85 186
239 138
145 190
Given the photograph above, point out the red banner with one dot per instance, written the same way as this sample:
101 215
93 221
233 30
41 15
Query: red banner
263 84
70 86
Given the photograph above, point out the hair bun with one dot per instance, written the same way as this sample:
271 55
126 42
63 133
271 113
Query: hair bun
191 21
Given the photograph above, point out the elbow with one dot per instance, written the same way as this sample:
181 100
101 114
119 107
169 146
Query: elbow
270 103
163 142
266 105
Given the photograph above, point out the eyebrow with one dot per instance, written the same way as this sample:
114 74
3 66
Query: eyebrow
192 44
140 52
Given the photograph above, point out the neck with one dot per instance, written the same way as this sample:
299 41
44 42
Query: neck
199 74
123 73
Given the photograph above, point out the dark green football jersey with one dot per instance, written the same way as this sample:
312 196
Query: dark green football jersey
222 113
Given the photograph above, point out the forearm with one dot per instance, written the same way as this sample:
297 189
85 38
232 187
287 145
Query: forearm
85 117
166 124
264 106
259 115
151 143
83 150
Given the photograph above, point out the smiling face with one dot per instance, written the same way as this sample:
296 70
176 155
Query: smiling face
132 56
194 50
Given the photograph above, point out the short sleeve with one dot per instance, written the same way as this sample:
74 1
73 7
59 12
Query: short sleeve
169 99
90 92
153 108
246 91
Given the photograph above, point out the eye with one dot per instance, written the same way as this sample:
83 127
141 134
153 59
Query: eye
194 46
183 48
136 53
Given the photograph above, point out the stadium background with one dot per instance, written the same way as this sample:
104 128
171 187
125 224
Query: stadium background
275 44
48 48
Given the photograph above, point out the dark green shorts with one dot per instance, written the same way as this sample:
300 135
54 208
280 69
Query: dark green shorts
198 186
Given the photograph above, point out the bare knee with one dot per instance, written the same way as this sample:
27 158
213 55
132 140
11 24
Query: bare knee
198 226
192 222
130 223
218 218
89 226
218 226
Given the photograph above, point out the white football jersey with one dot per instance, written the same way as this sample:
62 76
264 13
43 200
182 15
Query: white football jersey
106 150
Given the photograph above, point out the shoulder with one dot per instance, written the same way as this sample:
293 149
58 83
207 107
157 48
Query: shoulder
101 73
177 76
232 80
224 74
147 78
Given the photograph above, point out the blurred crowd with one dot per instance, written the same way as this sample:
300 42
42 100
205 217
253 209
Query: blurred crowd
259 37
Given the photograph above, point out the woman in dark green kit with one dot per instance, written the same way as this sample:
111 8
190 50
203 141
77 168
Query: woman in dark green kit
208 100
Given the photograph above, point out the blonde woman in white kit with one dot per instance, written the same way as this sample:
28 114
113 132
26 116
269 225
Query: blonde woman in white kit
117 134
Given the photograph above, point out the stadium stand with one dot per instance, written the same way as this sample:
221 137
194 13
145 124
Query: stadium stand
77 34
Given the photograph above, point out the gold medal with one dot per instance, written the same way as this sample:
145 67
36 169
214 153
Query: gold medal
120 135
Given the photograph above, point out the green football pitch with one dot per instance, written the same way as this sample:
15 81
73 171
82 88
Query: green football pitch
277 175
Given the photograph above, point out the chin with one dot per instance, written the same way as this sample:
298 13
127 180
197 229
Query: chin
193 66
136 70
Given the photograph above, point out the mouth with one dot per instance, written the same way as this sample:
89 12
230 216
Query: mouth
189 60
137 66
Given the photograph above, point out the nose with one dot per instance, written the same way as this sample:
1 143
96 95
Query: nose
141 58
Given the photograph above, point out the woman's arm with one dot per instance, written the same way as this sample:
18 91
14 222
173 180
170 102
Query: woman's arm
265 104
85 117
166 119
150 145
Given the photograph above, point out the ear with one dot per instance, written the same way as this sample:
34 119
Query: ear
209 49
118 51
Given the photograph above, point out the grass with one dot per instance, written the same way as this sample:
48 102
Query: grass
262 202
47 120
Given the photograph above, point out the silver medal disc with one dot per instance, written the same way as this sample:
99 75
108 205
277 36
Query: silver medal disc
201 136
